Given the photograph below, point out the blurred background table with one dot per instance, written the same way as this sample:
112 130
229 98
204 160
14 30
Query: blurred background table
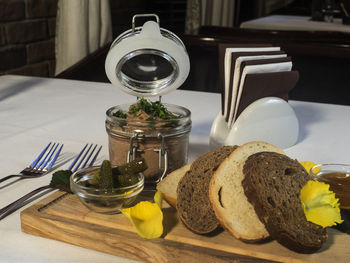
295 23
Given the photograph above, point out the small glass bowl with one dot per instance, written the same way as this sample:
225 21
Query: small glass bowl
101 200
338 177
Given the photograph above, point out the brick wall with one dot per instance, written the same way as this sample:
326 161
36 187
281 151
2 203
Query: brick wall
27 37
27 30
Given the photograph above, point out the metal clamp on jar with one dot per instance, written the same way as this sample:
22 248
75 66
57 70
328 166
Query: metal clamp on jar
148 61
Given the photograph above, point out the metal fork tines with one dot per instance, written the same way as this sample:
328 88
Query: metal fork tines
81 160
45 160
85 158
41 165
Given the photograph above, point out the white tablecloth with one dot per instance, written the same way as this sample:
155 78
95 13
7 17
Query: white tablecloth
298 23
34 111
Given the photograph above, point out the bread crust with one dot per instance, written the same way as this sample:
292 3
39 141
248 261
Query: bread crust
169 184
272 184
232 208
193 205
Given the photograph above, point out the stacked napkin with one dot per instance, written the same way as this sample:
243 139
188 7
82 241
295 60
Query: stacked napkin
252 72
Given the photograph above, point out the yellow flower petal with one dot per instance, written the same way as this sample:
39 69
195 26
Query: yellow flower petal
324 216
320 205
312 189
146 218
158 198
308 165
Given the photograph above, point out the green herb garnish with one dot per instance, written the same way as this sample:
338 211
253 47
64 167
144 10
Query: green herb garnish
155 110
119 114
60 180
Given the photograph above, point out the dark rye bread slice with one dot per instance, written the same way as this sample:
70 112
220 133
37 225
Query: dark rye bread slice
193 204
272 183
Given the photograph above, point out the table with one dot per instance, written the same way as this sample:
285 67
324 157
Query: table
295 23
34 111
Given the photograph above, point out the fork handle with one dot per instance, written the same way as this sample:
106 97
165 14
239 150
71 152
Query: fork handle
9 177
9 209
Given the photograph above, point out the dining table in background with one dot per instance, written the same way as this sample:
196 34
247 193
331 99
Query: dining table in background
35 111
295 23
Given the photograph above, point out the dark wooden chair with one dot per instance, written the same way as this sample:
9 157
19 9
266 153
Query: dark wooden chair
322 59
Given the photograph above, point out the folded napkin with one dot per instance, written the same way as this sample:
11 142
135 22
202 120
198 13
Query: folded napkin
251 72
236 61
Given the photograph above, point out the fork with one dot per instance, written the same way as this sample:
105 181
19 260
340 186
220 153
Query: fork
80 161
41 165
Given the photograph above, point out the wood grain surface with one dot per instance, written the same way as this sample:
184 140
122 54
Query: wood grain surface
62 217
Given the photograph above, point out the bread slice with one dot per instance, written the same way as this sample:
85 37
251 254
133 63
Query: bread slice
193 205
232 208
272 184
169 184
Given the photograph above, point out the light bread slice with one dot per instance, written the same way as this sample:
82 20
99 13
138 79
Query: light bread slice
169 184
230 204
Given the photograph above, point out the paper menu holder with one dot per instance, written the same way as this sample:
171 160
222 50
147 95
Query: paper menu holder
256 107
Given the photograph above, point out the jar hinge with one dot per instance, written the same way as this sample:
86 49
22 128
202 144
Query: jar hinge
162 154
142 15
132 148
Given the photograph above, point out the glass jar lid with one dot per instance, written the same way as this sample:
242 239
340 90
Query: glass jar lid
147 61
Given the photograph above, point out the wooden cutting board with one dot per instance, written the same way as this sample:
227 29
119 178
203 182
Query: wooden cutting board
62 217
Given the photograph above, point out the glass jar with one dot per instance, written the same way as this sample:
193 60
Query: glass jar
162 143
148 61
338 178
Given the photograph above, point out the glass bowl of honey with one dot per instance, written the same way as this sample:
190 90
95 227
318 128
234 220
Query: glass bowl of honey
338 177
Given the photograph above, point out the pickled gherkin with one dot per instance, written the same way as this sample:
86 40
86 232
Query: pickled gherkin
95 180
136 166
127 174
121 176
106 176
123 180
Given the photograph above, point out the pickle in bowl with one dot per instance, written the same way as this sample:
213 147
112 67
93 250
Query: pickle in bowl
106 189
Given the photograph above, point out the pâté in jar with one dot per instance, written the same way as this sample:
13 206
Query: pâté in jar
162 142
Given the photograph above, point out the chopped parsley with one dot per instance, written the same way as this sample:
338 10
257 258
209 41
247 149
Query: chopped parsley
120 114
155 110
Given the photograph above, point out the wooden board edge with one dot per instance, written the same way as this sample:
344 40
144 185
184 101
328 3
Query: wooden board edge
36 221
121 243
